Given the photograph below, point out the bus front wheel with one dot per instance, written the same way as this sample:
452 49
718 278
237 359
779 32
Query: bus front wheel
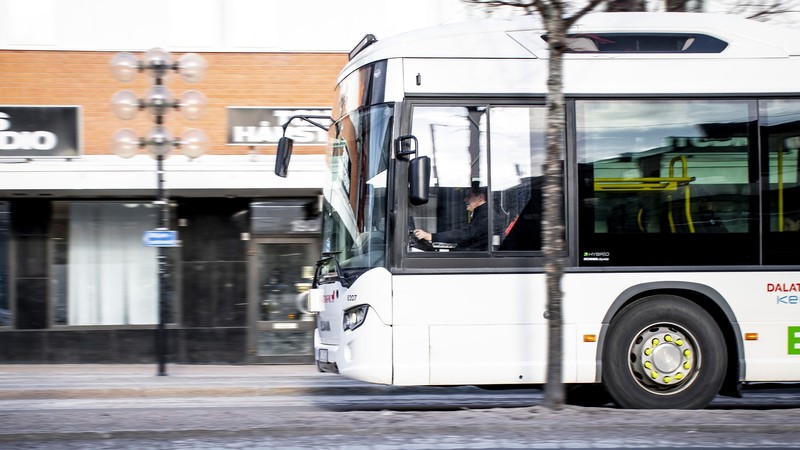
664 351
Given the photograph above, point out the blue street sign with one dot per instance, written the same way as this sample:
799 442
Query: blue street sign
160 238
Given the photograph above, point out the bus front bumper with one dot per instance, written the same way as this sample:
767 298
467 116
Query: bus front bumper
325 355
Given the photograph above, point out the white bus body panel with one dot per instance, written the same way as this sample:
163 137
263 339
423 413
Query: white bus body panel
626 76
490 328
372 288
480 329
750 298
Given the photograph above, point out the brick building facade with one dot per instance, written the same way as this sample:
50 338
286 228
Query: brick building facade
29 77
229 297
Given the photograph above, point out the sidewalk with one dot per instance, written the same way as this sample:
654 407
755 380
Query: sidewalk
33 381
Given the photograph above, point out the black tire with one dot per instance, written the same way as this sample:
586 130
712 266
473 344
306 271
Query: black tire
664 352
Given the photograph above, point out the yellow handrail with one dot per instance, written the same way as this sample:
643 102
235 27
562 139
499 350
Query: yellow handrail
669 183
686 195
640 184
639 220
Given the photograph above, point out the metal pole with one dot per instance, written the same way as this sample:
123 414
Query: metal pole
163 223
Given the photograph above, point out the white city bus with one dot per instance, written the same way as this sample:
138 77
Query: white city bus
681 183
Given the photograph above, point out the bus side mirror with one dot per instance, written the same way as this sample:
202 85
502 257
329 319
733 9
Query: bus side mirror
285 144
419 169
419 180
283 156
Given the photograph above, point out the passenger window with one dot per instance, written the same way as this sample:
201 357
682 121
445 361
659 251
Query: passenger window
667 182
456 217
517 148
780 134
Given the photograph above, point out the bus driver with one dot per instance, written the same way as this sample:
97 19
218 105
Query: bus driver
474 234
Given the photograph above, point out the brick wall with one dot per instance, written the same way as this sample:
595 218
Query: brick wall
233 79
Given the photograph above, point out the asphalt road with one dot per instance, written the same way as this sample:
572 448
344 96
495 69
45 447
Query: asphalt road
446 418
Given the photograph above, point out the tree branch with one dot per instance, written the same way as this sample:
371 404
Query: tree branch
589 7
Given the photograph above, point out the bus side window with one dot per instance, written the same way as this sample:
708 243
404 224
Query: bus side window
667 180
454 139
780 133
524 230
516 146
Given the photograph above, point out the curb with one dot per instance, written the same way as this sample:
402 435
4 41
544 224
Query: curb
231 391
133 392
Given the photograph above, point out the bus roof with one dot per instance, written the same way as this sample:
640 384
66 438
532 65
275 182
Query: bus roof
522 37
504 57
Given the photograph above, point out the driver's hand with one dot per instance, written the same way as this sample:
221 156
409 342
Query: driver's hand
422 235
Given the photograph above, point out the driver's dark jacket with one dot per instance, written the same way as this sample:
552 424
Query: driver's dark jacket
473 236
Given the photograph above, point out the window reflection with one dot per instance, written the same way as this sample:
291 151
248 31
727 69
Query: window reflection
455 218
780 135
517 142
666 169
354 224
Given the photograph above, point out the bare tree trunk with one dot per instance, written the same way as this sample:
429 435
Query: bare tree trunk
556 25
553 202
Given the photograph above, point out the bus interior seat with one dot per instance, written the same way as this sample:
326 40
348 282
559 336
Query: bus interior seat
526 229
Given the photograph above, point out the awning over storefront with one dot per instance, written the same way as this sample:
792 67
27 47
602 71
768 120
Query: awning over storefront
208 176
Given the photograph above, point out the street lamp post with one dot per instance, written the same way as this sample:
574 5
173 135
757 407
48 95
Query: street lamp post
158 101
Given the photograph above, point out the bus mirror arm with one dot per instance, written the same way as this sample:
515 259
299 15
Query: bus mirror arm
308 119
405 146
285 144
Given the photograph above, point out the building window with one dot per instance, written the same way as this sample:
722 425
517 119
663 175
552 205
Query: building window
103 274
5 225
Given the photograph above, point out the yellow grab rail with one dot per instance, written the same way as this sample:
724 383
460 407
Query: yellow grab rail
635 184
686 194
669 183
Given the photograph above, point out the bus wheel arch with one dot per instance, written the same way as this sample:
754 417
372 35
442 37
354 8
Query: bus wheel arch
650 337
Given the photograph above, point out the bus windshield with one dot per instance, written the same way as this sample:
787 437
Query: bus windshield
354 219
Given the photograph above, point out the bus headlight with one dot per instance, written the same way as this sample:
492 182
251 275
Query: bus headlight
354 317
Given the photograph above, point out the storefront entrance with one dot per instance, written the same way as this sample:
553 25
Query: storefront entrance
281 331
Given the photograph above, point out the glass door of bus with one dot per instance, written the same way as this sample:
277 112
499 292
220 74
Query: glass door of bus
281 331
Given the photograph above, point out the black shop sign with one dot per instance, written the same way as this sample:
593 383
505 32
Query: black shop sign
254 126
39 131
